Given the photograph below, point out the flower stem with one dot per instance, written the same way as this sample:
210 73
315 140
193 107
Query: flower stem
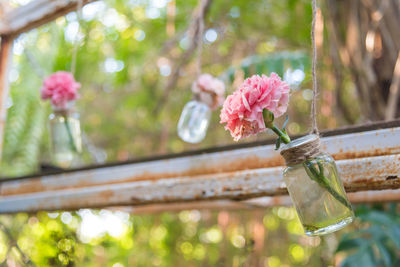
284 136
71 138
324 182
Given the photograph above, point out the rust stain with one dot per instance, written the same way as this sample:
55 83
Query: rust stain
106 195
136 199
34 185
373 184
363 154
230 189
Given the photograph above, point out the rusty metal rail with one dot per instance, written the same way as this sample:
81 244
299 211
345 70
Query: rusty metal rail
368 160
35 14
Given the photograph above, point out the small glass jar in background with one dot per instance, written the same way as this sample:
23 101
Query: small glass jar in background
194 121
65 135
316 191
208 94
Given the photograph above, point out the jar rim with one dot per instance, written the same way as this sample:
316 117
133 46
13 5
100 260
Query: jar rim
70 105
300 141
198 102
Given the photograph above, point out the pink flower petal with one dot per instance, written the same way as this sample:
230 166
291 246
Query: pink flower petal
209 90
243 110
60 88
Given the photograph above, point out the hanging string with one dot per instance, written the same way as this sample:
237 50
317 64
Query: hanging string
39 71
200 33
76 41
314 71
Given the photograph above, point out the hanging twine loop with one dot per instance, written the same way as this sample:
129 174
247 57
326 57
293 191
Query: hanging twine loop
63 112
314 70
200 31
211 98
308 146
76 41
301 149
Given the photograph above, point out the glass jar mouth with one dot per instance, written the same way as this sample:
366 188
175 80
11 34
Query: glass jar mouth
200 103
300 141
69 106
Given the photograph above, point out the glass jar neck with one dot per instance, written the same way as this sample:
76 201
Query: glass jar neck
207 98
68 109
200 103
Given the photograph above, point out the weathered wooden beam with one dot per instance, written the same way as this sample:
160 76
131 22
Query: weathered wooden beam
366 161
5 64
35 14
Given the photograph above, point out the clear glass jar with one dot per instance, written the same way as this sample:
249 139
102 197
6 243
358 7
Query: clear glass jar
318 196
65 135
194 121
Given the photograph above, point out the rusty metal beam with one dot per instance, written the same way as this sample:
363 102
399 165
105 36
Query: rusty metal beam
236 185
35 14
366 160
367 144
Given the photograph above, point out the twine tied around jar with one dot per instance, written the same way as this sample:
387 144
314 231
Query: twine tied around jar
298 153
62 112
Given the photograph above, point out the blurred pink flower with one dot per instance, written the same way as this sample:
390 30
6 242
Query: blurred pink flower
209 90
243 110
60 88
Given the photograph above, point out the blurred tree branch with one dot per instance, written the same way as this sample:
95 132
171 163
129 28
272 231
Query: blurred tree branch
200 13
363 38
394 91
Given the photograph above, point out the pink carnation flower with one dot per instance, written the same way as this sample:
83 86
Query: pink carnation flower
243 110
60 88
209 90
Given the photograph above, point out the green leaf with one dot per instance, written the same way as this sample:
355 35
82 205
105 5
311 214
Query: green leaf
246 70
364 257
374 232
259 69
393 208
284 124
362 209
385 254
351 244
278 143
394 234
378 217
321 168
311 170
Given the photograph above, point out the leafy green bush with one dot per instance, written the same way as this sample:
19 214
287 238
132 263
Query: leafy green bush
377 244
